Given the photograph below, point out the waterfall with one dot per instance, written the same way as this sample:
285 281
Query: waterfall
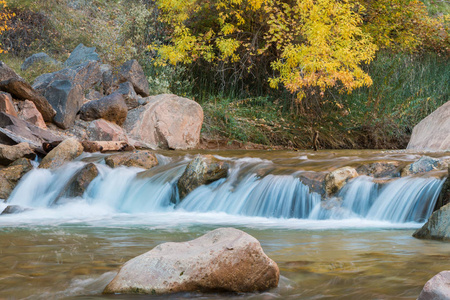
252 188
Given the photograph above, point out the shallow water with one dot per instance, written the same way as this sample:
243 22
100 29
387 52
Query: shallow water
71 251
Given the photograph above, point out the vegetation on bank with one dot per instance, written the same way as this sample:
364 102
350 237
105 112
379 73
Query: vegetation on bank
409 74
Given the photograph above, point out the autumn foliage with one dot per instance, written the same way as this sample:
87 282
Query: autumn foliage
4 17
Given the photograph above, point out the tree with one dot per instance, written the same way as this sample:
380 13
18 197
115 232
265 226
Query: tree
4 17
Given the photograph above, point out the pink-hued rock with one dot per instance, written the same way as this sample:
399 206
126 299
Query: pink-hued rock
225 259
102 130
437 288
6 104
166 122
29 113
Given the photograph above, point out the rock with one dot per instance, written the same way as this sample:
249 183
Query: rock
167 122
22 90
67 99
79 182
102 130
81 54
47 147
37 58
424 164
225 259
14 209
336 179
201 170
107 78
94 95
433 132
380 169
28 112
140 159
10 176
68 150
6 104
437 288
111 108
7 73
444 195
437 227
314 180
87 75
105 146
132 72
127 91
9 154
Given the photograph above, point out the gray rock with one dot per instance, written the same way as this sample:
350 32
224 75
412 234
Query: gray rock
80 55
423 165
437 227
127 91
7 73
437 288
67 99
444 195
68 150
380 169
203 169
111 108
132 72
9 154
14 209
37 58
139 159
79 182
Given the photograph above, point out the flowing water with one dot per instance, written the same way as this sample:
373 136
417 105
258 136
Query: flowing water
357 245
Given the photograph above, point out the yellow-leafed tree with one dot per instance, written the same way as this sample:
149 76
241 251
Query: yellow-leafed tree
4 17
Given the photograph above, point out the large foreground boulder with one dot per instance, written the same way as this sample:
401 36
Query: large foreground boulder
139 159
111 108
224 259
336 179
67 151
10 176
437 227
201 170
433 132
166 122
437 288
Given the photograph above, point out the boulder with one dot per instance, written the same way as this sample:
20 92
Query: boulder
102 130
140 159
6 104
41 57
437 288
81 54
127 91
336 179
132 72
424 164
7 73
380 169
437 227
79 182
105 146
225 259
9 154
444 195
28 112
314 180
68 150
433 132
67 99
14 209
111 108
93 95
10 176
203 169
167 122
22 90
87 75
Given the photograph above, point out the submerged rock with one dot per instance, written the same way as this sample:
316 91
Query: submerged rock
9 154
201 170
68 150
79 182
437 227
14 209
437 288
423 165
380 169
336 179
140 159
225 259
10 176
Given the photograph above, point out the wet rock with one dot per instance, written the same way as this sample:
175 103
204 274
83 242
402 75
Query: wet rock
424 164
380 169
166 122
41 57
140 159
111 108
10 176
68 150
105 146
203 169
22 90
9 154
6 104
437 288
314 180
81 54
7 73
14 209
79 182
437 227
444 195
336 179
127 91
67 99
132 72
225 259
28 112
102 130
433 132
